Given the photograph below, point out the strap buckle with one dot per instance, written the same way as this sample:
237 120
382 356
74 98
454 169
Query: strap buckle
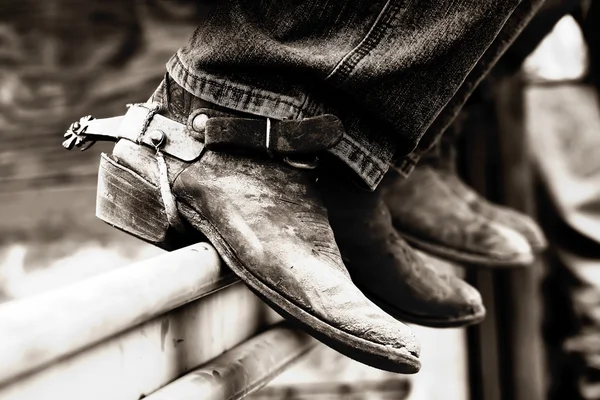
302 164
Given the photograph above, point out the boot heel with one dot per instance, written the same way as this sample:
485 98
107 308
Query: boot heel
130 203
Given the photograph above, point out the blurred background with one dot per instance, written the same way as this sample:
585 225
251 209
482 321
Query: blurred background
531 139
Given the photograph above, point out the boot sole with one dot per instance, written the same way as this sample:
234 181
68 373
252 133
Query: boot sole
122 193
470 259
432 322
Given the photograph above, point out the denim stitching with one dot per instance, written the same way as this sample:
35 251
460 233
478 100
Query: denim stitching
367 166
345 67
484 65
205 81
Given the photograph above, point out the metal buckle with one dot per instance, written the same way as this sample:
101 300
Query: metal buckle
268 138
312 164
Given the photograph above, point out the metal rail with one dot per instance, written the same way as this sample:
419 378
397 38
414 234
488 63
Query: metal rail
130 332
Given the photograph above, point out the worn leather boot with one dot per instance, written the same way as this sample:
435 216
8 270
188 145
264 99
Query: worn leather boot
409 286
508 217
183 167
434 218
442 159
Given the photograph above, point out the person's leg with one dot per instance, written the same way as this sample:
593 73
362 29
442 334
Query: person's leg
439 162
386 68
425 206
509 32
202 158
410 55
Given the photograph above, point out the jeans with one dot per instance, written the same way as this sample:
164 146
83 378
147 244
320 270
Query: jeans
443 154
395 72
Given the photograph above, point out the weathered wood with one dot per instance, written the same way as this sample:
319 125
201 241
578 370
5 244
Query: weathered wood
520 289
484 357
242 370
41 329
508 358
149 356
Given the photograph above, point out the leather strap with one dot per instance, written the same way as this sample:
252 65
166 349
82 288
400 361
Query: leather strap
286 137
142 125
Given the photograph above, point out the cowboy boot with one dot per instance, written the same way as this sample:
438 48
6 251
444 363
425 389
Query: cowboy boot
442 160
501 215
432 217
183 168
411 287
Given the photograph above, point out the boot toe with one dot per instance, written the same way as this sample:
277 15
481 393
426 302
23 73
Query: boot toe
520 222
347 308
469 302
509 246
526 226
456 298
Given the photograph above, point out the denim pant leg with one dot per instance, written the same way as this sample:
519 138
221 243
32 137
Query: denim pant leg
389 69
515 24
443 153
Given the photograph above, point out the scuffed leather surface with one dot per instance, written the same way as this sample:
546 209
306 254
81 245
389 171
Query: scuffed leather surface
520 222
384 265
274 221
465 296
424 207
272 218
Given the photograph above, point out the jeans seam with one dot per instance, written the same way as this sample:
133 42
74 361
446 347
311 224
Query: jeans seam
370 169
371 160
263 95
485 64
348 63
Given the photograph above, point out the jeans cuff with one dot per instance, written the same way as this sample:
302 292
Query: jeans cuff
240 97
222 92
406 164
369 168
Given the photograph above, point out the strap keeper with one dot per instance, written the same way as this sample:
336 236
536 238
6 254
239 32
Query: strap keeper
268 140
275 137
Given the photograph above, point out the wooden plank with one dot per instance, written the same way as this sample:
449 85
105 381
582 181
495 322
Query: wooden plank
41 329
484 348
520 292
242 370
138 362
508 362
